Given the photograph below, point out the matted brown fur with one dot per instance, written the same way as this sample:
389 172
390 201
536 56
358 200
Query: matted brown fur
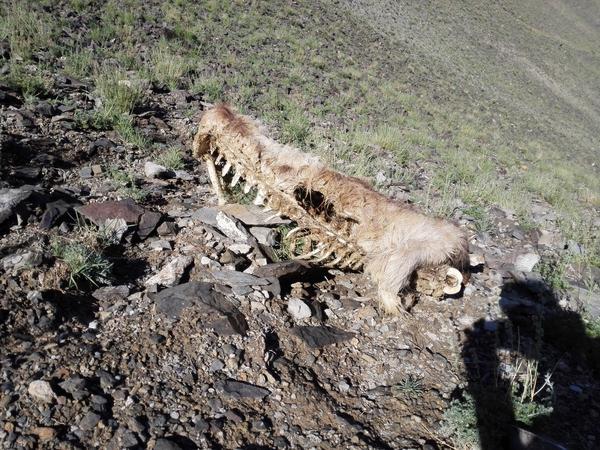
389 239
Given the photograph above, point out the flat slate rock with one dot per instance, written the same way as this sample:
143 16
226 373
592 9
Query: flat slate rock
234 278
55 211
11 198
215 310
249 215
321 336
123 209
282 269
241 389
148 223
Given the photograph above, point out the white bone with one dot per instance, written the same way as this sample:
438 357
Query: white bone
311 254
454 281
326 255
226 168
219 158
236 178
214 180
293 231
260 198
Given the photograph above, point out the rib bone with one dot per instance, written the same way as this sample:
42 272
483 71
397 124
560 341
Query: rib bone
226 168
214 180
236 178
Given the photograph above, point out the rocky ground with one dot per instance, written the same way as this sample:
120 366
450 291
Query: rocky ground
202 334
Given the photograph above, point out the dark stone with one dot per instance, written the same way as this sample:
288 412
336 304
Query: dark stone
241 389
282 269
55 211
107 380
76 386
321 336
128 439
123 209
148 223
200 425
89 421
167 229
111 294
10 199
158 421
166 444
158 338
27 173
215 311
85 172
521 439
103 143
234 278
45 109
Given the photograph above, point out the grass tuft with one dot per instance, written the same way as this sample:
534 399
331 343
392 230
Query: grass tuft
172 158
84 264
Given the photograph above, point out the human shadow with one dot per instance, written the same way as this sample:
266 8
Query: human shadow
532 375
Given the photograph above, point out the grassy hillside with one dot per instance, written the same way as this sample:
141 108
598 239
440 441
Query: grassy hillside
468 104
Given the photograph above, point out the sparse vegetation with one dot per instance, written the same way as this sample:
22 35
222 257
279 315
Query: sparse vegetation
166 66
553 271
460 423
127 184
410 387
120 93
172 158
83 263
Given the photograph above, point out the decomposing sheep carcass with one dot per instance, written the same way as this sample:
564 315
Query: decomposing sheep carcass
341 221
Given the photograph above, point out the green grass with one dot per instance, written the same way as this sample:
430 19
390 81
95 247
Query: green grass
119 93
211 88
554 272
172 158
84 264
410 388
167 67
127 185
27 29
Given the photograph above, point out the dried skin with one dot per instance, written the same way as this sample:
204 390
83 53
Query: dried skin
352 225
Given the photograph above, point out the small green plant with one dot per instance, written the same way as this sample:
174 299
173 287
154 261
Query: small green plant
125 127
295 128
592 328
119 93
79 63
166 66
127 185
210 88
459 423
83 263
410 387
481 219
171 158
28 80
554 272
26 29
526 412
288 247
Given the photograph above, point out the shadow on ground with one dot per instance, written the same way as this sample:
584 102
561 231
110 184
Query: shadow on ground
508 362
